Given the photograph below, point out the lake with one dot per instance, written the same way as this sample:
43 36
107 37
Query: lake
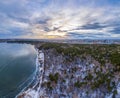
17 67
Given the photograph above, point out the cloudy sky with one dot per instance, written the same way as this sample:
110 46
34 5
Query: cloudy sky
60 19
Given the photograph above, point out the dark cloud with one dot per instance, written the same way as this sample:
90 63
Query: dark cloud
76 35
116 30
47 29
93 26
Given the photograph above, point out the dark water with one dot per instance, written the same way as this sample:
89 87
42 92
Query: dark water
17 66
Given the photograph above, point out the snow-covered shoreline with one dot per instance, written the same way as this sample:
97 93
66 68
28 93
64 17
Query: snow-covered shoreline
34 89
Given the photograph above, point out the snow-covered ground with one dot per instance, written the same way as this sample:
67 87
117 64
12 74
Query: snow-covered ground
35 91
118 92
53 65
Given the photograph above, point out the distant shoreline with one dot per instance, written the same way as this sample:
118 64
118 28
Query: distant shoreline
66 41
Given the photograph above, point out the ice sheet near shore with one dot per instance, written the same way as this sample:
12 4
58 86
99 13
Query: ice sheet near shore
35 91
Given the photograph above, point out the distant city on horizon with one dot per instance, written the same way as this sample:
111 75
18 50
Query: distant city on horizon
69 41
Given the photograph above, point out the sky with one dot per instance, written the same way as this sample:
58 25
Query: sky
60 19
